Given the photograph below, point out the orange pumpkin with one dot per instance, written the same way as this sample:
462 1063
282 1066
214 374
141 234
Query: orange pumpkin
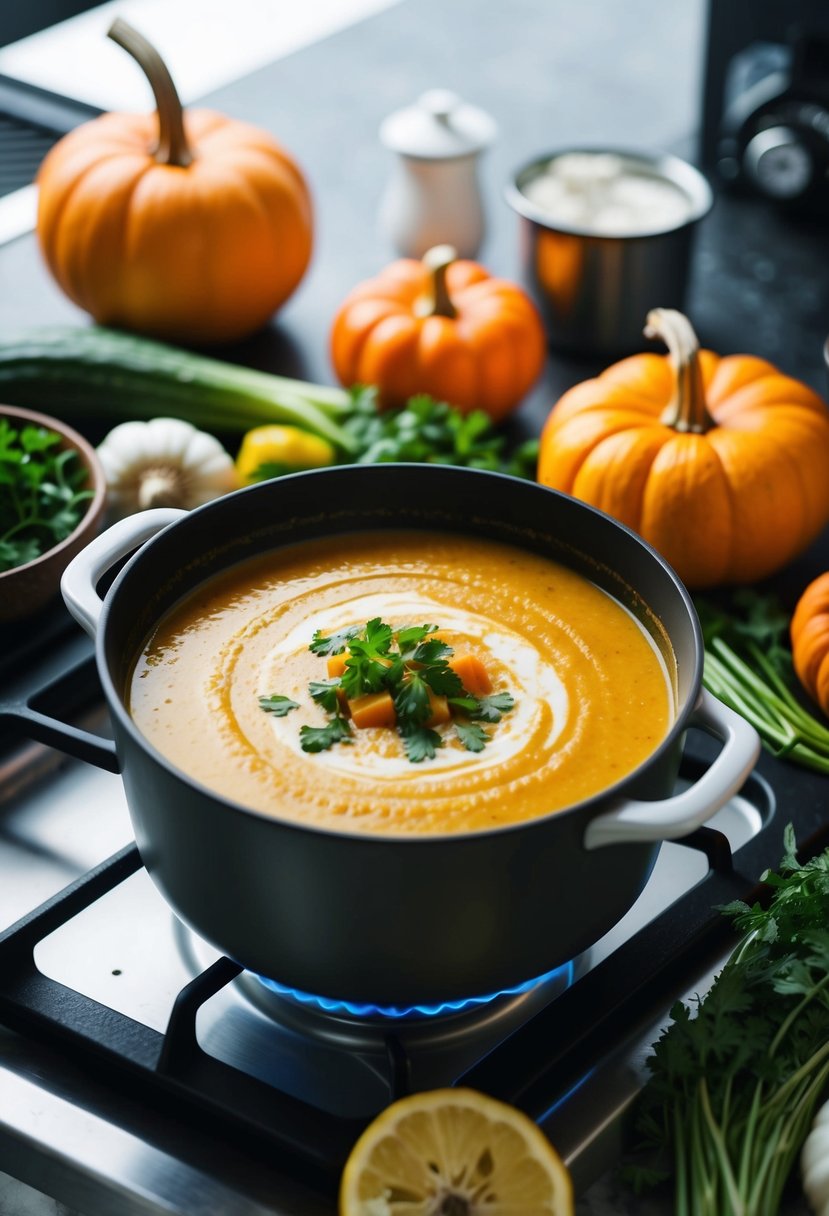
187 226
722 464
810 640
443 327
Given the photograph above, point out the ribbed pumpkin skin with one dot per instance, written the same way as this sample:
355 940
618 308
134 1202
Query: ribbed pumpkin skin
202 253
810 640
731 505
487 357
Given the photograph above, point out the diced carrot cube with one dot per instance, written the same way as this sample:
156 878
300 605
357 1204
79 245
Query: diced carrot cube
336 664
373 709
473 675
440 710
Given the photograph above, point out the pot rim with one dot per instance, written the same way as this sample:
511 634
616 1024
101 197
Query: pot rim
595 803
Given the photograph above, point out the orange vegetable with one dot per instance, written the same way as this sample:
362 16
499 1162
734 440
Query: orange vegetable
185 225
336 664
373 709
721 463
473 675
443 327
810 640
440 710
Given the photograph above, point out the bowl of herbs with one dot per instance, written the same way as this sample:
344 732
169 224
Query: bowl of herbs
52 494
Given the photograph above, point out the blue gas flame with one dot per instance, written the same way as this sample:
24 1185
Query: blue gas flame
357 1010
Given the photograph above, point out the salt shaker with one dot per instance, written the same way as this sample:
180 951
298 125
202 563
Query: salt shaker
433 196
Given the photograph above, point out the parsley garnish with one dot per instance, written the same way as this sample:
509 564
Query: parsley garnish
421 743
324 692
473 737
336 643
277 705
320 738
412 672
43 493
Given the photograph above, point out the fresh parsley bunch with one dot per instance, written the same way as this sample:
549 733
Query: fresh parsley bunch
734 1084
426 431
42 493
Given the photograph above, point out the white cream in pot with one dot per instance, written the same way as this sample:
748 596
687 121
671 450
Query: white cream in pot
607 194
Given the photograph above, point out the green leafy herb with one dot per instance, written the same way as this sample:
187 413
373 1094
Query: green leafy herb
42 493
432 432
277 705
336 643
490 708
320 738
412 668
473 737
420 743
412 699
748 665
734 1086
324 692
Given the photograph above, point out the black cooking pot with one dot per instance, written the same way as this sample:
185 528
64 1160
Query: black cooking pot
382 919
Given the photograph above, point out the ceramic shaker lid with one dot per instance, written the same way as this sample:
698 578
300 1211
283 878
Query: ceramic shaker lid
438 126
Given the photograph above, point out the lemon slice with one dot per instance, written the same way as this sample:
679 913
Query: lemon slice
454 1152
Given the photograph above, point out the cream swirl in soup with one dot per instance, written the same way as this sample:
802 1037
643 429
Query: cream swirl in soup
593 696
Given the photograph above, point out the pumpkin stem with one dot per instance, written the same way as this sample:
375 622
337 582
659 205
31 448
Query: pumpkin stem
172 147
436 302
686 410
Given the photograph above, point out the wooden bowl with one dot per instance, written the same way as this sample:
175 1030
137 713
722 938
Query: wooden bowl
24 589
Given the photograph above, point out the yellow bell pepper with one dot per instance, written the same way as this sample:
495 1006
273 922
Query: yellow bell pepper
269 451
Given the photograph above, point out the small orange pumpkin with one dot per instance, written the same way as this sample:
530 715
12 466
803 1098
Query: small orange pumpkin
187 226
443 327
722 464
809 631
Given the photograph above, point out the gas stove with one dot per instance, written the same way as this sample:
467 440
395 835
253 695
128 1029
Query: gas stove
143 1072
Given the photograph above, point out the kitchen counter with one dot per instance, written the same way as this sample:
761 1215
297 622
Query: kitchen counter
552 73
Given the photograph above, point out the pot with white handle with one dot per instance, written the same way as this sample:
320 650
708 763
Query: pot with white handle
367 917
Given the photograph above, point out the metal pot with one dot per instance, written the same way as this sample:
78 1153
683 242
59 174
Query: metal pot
375 918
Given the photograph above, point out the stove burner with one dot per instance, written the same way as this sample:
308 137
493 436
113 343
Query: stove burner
369 1012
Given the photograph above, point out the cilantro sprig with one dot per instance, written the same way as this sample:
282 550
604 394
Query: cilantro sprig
412 670
43 493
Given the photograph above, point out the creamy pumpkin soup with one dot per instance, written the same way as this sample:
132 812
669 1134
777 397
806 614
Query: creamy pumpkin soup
402 683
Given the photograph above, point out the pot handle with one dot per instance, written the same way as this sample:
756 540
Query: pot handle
671 818
80 578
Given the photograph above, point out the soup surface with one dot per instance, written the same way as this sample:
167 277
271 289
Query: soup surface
592 695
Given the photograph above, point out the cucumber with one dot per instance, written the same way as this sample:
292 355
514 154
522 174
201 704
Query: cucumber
103 373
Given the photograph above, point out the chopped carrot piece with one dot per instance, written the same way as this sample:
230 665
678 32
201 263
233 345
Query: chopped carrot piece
336 664
440 710
473 675
373 709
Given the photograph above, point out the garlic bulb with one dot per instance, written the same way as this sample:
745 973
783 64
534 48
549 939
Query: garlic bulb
163 463
814 1163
